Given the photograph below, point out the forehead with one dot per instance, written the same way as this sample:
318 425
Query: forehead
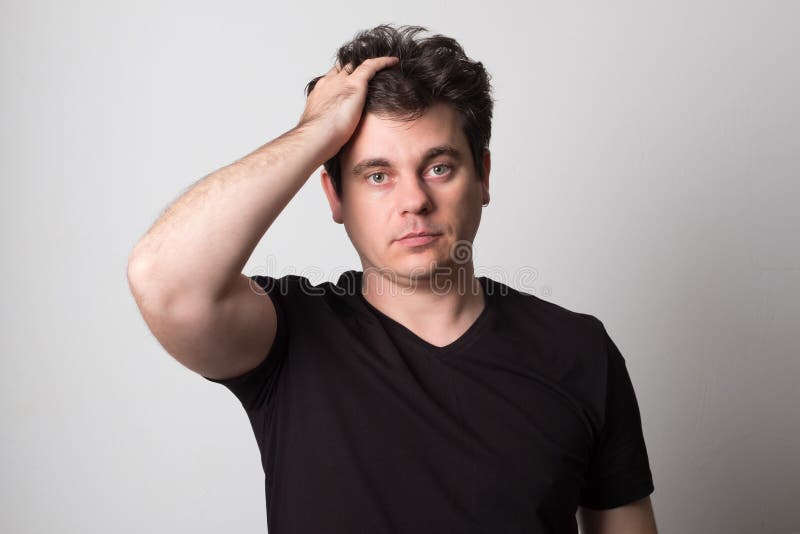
386 137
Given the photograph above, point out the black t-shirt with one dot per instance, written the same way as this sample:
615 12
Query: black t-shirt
365 427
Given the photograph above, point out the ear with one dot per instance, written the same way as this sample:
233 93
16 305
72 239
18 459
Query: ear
487 167
333 198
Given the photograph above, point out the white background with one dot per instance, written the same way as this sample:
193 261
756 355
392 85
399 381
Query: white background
645 164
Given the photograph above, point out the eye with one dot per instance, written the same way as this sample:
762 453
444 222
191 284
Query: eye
440 166
378 174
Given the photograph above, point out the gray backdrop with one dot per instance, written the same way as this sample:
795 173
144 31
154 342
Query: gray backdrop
645 165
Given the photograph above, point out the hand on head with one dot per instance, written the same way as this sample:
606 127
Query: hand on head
336 102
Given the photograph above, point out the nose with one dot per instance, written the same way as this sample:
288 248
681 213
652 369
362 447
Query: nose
413 196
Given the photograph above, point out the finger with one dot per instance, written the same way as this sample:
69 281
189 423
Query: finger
334 69
370 66
338 68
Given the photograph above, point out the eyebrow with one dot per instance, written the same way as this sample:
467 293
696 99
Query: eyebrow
431 153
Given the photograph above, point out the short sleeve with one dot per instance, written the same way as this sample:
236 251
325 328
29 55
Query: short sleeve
619 471
255 387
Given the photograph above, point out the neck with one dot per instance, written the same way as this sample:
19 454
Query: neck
434 303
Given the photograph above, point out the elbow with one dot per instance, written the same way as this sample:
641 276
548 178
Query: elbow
142 283
157 301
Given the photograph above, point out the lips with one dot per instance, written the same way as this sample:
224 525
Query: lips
418 234
418 240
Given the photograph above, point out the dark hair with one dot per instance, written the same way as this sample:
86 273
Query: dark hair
431 69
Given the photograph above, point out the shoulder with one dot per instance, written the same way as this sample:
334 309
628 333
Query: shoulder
284 285
302 299
293 285
562 323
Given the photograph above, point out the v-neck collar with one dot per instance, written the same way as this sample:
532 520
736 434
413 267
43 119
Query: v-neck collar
466 339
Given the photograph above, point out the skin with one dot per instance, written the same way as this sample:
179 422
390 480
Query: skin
430 289
409 193
216 325
634 518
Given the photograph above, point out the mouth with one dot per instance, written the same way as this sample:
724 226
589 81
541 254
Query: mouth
418 239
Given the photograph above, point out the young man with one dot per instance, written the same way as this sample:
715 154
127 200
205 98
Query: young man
411 396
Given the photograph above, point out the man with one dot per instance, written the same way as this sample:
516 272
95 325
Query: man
411 396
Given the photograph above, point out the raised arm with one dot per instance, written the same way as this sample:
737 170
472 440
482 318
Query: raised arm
185 273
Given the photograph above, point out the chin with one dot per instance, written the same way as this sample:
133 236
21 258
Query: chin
422 267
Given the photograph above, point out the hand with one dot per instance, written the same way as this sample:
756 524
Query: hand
336 102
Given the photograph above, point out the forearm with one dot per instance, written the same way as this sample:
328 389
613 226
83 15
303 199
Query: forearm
200 244
633 518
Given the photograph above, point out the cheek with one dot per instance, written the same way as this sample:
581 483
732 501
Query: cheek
462 202
364 224
468 215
